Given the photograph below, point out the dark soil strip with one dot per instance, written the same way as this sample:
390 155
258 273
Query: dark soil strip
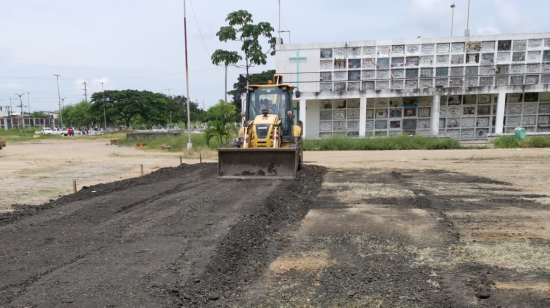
252 244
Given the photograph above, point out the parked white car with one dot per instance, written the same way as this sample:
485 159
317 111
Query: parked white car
44 131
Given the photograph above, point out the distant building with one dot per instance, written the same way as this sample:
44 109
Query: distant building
461 87
10 120
54 114
4 111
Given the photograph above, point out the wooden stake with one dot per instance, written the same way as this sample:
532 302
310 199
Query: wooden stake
200 157
74 187
180 161
141 169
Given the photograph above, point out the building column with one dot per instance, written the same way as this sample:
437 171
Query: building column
303 115
434 125
501 105
362 116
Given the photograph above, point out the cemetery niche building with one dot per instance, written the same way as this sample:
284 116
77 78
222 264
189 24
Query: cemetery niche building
461 87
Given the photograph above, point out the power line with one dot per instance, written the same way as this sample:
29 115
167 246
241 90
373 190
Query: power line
196 20
284 22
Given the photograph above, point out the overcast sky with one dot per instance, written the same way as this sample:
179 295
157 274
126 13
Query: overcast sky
139 44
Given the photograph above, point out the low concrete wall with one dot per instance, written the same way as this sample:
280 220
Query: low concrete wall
152 135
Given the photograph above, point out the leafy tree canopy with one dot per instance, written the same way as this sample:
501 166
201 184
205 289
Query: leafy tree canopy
241 28
78 115
222 111
123 106
142 108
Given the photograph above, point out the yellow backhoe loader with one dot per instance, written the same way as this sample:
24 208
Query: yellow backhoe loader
269 144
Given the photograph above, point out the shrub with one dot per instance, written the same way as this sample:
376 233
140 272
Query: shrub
507 142
530 142
385 143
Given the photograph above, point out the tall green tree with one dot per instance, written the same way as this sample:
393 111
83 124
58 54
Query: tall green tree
123 106
242 29
78 114
178 105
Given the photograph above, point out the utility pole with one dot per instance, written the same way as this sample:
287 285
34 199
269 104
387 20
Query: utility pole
10 113
170 106
225 83
189 144
29 103
11 108
59 97
85 91
104 114
21 106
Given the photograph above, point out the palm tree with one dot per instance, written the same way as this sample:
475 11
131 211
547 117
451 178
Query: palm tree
219 128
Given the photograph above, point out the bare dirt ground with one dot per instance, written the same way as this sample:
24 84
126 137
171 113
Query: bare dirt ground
34 173
467 228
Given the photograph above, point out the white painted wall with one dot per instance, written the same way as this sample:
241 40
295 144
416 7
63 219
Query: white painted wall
309 82
312 114
3 111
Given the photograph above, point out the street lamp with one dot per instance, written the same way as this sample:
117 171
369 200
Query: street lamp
452 17
21 106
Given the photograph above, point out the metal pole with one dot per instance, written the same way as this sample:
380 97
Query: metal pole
10 112
452 17
59 97
468 20
21 106
279 20
85 91
225 84
467 32
29 103
170 107
189 144
104 114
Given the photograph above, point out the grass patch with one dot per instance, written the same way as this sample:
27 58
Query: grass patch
20 135
349 191
522 256
386 143
176 144
529 142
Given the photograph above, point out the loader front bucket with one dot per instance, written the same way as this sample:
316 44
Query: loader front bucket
278 163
